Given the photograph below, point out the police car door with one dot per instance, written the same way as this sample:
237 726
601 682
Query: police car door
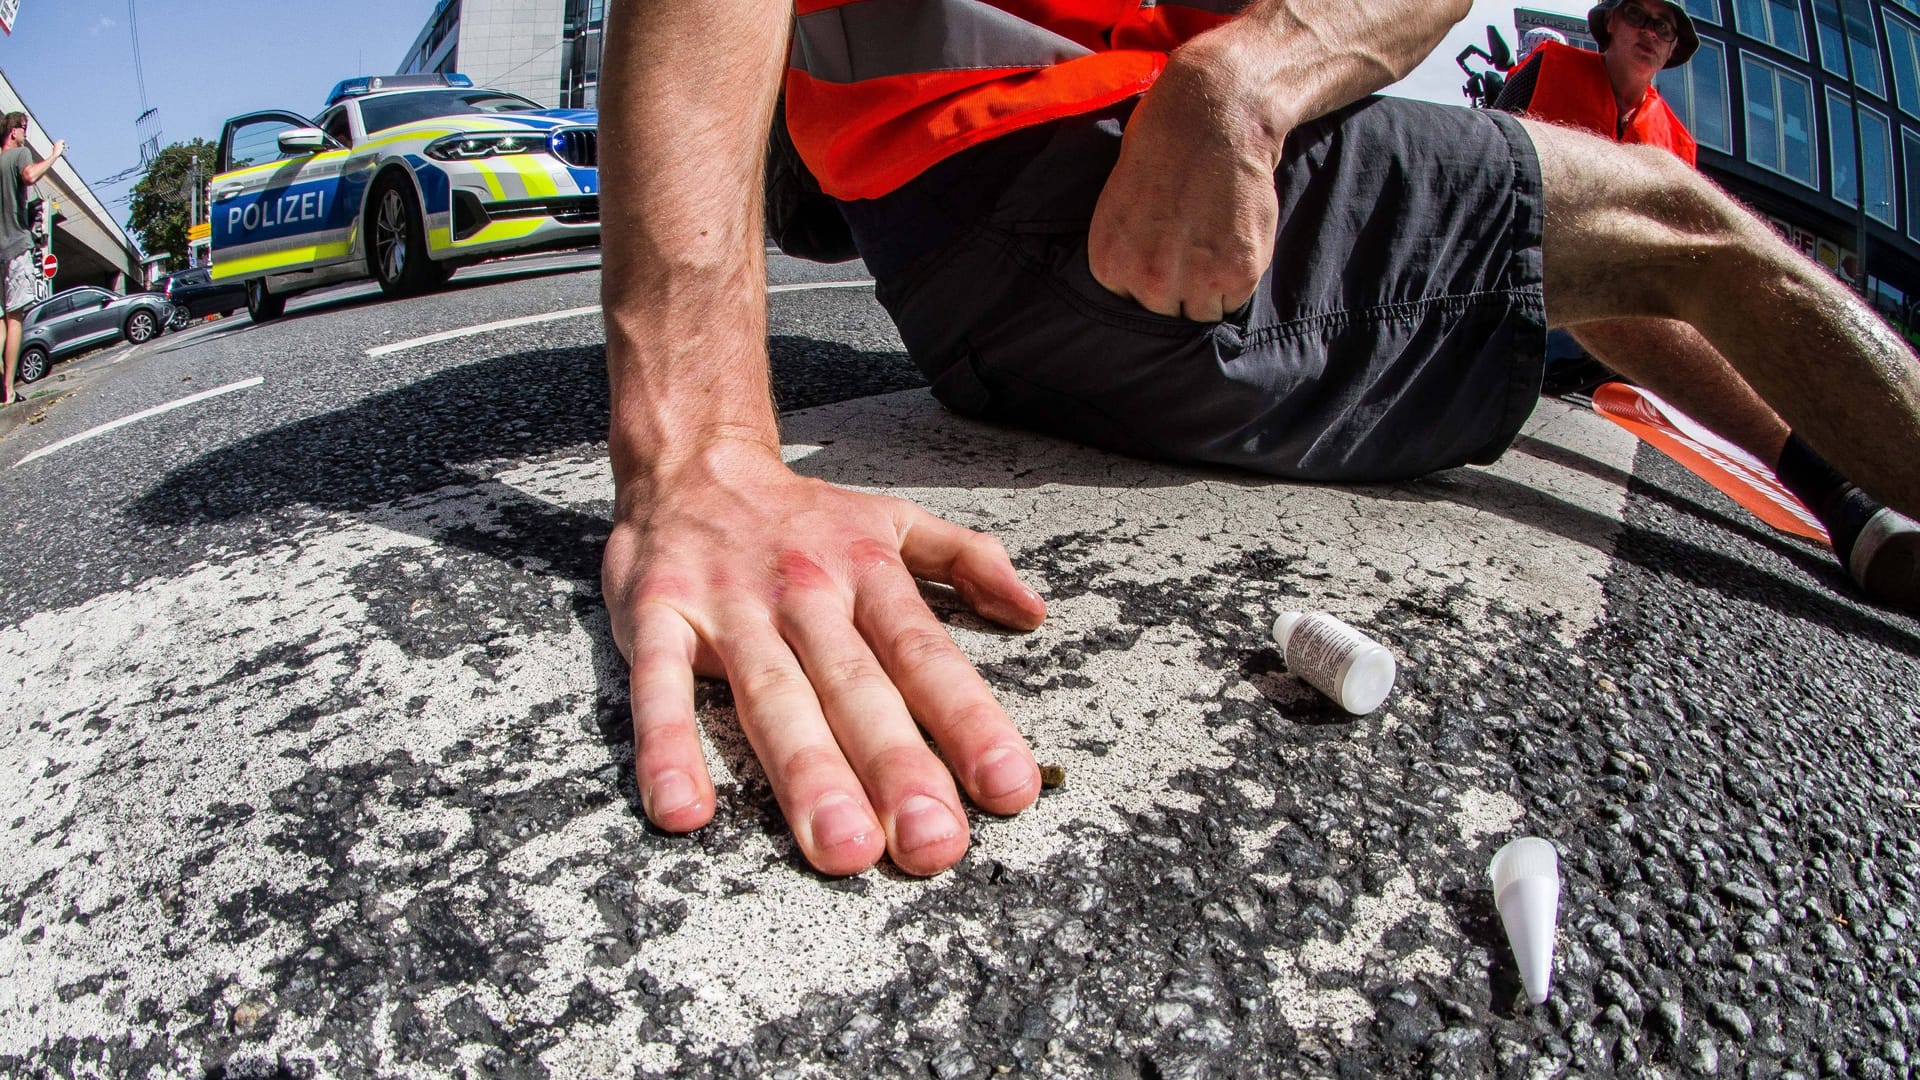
274 207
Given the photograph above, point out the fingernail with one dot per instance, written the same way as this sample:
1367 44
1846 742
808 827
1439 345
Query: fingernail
922 821
1003 772
837 820
672 792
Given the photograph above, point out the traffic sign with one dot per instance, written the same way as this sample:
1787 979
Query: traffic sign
49 265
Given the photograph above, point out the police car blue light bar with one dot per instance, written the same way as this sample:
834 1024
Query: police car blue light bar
373 84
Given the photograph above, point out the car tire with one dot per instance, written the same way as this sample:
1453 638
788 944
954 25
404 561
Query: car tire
33 366
142 326
178 318
262 304
397 242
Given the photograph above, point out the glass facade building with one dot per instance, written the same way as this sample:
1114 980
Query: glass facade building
1809 112
548 50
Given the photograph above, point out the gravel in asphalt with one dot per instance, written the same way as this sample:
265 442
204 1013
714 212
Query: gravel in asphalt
318 763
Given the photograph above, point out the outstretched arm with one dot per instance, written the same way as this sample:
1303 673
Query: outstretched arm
1185 225
722 561
32 173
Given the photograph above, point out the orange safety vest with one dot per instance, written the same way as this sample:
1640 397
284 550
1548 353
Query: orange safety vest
879 90
1572 88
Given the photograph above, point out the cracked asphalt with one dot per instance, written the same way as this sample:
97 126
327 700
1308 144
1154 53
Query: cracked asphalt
317 759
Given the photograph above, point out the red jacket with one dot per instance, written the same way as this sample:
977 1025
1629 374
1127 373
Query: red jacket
1573 88
879 90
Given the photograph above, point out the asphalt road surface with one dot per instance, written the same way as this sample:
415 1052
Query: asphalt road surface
316 757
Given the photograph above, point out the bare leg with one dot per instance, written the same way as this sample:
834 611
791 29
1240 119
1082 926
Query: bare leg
1673 360
1633 232
12 357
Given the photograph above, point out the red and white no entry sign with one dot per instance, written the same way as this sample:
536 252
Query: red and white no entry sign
49 265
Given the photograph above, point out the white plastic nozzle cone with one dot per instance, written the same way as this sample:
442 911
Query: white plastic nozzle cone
1526 890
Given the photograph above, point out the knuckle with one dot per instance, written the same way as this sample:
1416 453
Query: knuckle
798 573
867 553
852 674
815 762
899 761
977 720
657 587
771 678
985 545
919 647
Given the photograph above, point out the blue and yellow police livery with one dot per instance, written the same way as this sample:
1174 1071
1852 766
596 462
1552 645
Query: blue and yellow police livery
401 178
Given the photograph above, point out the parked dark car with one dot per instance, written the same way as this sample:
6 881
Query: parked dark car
86 318
195 292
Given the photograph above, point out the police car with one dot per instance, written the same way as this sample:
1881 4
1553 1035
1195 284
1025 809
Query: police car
401 178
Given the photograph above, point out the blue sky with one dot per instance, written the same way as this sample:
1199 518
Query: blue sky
72 62
205 60
1439 79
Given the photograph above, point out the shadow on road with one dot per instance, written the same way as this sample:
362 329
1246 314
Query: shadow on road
449 434
455 428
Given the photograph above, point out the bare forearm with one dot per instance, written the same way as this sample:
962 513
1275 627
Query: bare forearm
1309 57
686 96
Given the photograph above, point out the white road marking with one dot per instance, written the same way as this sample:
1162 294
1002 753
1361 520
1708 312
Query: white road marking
572 313
483 328
805 286
244 384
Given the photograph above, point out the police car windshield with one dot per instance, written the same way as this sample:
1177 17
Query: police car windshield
391 110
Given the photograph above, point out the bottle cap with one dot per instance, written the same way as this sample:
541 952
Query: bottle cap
1368 681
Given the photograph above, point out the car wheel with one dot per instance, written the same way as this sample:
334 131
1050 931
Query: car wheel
141 326
397 254
33 364
262 304
178 318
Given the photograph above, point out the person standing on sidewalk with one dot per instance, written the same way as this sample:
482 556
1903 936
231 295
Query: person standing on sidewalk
18 173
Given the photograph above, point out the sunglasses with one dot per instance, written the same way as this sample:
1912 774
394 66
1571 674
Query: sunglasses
1641 19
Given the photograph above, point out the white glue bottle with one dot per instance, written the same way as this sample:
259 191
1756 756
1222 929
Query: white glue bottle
1335 659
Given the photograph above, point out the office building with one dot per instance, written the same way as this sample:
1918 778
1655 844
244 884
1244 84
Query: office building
546 50
1791 102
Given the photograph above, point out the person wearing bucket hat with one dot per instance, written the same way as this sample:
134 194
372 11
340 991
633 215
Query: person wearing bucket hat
1685 41
1611 93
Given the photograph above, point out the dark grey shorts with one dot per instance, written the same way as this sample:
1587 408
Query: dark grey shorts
1399 330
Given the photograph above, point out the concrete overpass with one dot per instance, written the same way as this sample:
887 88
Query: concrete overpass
92 247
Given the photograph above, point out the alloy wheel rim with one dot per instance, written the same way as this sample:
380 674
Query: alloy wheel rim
390 237
141 329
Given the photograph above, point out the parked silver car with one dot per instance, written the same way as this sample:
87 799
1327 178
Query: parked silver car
86 318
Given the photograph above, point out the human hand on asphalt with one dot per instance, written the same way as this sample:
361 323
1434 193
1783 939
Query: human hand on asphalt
802 596
1185 224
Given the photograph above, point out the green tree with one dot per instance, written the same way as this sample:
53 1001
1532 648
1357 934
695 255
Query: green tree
162 198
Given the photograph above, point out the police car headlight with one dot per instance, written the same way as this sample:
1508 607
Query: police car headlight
468 147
